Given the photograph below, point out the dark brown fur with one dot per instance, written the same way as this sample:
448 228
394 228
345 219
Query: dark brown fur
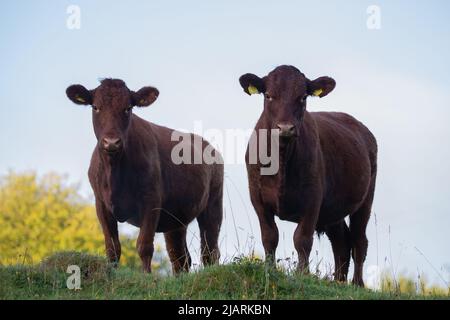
135 180
328 165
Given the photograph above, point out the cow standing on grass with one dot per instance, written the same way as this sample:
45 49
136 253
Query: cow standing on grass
327 170
135 180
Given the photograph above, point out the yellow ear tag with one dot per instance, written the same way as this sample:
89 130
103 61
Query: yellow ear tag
252 90
317 92
142 101
79 99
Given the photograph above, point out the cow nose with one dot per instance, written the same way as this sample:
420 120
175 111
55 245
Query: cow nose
111 144
286 130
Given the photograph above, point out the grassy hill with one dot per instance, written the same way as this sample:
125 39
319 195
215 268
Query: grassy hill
243 279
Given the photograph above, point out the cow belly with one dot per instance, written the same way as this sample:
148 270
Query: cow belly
169 220
179 211
134 221
336 209
175 219
295 204
169 223
173 215
124 211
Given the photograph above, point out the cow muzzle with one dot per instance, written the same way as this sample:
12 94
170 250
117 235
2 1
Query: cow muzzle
112 145
286 130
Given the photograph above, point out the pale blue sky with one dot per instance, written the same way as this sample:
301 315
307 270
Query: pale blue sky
395 80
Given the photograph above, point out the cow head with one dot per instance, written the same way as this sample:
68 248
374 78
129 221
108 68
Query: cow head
112 106
285 91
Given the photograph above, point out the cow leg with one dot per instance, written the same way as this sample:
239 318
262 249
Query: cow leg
339 235
303 241
178 250
269 233
358 225
110 232
209 223
146 237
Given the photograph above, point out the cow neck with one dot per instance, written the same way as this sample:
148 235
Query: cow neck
293 156
287 152
113 167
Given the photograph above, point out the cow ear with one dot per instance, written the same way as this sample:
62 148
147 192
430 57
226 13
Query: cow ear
79 94
252 84
321 86
144 97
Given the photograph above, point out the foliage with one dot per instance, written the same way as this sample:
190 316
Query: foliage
39 216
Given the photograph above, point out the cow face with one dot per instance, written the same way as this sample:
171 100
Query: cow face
112 104
285 92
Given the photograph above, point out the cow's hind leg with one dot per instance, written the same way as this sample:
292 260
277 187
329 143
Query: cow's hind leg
209 222
339 235
358 225
178 250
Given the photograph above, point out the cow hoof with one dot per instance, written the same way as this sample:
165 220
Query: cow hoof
358 283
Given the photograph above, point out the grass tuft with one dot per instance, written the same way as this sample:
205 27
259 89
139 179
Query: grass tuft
244 278
93 268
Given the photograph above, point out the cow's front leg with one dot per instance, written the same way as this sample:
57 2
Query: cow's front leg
146 237
303 240
110 231
269 235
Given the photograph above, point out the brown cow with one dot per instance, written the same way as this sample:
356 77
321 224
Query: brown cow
327 171
135 180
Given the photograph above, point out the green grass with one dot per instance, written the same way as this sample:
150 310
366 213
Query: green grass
243 279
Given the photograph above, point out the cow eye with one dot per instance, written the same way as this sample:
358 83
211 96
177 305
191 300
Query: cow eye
268 96
95 108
